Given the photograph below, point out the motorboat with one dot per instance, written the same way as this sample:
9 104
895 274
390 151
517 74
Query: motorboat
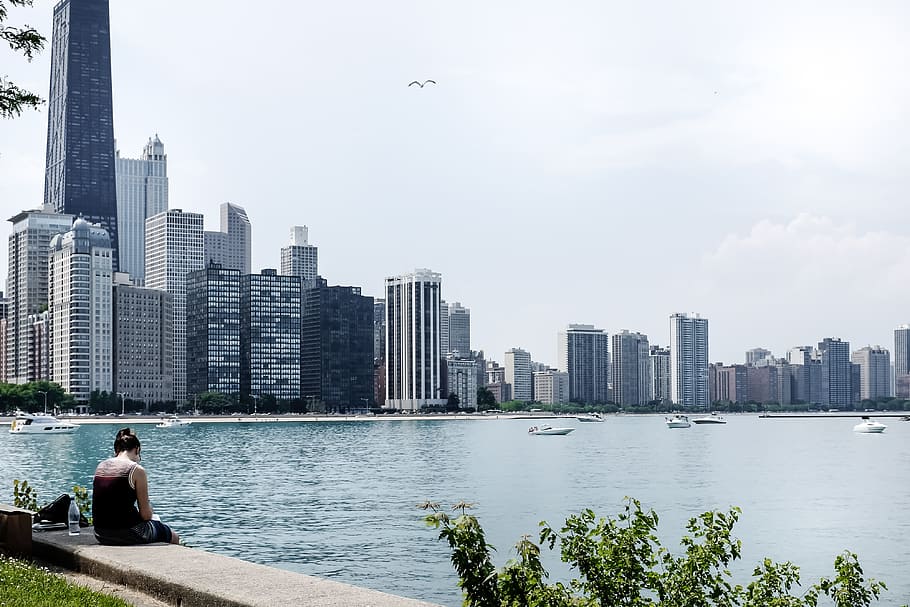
173 422
547 430
593 417
868 426
27 423
677 421
714 418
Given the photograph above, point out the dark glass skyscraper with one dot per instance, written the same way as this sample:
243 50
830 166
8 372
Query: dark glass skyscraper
213 331
79 177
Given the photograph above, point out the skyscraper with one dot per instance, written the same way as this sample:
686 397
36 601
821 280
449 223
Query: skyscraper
584 353
173 248
519 374
231 246
459 331
213 331
270 334
837 379
413 355
300 258
443 327
461 378
79 174
689 360
26 283
756 355
660 374
902 361
143 343
141 193
80 310
631 369
874 371
337 347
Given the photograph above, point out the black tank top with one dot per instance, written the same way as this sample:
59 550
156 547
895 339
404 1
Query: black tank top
113 495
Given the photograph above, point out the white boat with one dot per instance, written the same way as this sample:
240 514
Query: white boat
593 417
173 422
677 421
714 418
547 430
27 423
867 426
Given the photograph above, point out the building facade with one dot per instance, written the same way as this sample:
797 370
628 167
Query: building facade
80 174
27 284
756 355
232 245
551 387
213 331
461 378
300 258
874 372
517 364
902 361
413 355
837 373
631 369
143 343
173 249
39 346
689 360
270 334
660 374
337 347
459 331
80 309
584 353
141 193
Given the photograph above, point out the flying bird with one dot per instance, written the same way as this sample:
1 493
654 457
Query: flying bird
421 84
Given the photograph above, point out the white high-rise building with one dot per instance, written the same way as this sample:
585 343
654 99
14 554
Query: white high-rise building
874 371
26 284
231 246
141 193
519 374
413 356
551 387
80 272
689 360
459 331
300 258
173 247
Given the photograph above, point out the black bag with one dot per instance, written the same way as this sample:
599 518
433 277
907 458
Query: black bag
58 512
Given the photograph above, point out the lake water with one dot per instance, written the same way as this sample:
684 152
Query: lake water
338 499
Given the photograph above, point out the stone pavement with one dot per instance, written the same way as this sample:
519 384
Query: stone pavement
189 577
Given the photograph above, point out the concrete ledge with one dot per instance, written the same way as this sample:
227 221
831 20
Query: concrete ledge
188 577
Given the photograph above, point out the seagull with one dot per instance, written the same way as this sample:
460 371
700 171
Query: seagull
421 84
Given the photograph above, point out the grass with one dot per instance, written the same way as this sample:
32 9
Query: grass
25 585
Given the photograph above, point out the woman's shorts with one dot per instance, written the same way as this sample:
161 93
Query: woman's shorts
146 532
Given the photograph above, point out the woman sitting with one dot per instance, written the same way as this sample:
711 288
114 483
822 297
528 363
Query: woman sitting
120 484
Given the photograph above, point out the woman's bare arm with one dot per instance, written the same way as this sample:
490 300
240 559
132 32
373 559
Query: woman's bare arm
141 483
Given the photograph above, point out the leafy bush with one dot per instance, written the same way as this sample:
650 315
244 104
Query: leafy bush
620 562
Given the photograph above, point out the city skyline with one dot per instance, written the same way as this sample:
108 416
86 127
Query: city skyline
792 201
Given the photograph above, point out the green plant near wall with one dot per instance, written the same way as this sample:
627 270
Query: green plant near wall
84 501
24 496
620 562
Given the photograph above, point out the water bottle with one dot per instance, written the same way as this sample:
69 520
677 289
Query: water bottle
73 517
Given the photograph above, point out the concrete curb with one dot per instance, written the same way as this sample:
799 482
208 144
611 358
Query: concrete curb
188 577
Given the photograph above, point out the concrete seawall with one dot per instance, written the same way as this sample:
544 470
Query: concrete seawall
189 577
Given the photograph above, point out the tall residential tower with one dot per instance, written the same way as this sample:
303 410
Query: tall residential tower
584 353
300 258
689 360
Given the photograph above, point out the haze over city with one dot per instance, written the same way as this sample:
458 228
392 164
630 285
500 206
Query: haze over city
601 163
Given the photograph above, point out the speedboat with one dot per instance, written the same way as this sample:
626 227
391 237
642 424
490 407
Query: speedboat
547 430
173 422
593 417
27 423
677 421
867 426
714 418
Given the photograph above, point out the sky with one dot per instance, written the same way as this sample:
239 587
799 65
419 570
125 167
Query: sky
597 162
